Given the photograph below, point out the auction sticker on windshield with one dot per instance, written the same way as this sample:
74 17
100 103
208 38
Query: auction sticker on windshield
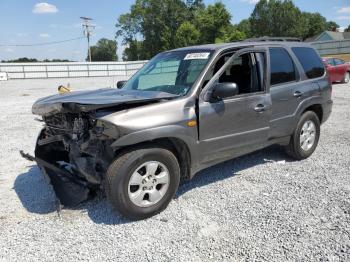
197 56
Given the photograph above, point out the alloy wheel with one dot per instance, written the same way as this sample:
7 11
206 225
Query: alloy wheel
307 135
148 184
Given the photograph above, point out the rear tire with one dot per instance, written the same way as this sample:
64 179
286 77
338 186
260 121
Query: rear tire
141 183
305 137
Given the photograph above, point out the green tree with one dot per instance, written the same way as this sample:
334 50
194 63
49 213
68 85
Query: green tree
347 29
153 26
244 27
104 50
21 60
277 18
315 24
230 34
193 6
332 26
212 22
134 51
156 22
186 35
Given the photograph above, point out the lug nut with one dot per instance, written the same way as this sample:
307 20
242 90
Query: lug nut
144 188
154 180
149 177
143 181
150 188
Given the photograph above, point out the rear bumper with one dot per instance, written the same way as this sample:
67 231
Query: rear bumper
327 110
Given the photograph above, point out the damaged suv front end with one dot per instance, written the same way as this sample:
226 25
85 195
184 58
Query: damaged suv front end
74 147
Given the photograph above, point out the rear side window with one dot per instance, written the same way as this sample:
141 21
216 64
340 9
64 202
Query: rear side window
310 61
282 66
339 62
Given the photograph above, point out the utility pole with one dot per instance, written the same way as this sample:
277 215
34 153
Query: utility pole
87 27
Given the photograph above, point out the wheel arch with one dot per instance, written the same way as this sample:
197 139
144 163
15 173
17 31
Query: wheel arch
176 145
317 109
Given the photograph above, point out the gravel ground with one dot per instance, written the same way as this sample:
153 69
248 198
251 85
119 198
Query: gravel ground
262 206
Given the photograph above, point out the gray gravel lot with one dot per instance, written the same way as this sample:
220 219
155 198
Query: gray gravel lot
262 206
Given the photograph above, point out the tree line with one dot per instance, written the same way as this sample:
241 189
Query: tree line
33 60
153 26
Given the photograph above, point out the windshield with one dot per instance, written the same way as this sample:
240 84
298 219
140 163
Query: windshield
171 72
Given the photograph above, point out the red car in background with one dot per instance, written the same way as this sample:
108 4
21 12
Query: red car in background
338 69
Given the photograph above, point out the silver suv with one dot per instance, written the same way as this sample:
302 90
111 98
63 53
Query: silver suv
185 110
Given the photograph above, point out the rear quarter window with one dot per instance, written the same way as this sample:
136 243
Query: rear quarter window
281 66
310 61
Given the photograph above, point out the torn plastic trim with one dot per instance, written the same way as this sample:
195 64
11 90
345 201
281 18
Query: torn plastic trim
69 190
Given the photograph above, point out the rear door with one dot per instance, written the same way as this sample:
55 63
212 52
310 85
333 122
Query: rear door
238 124
285 89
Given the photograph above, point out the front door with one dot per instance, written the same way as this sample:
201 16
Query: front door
238 124
340 68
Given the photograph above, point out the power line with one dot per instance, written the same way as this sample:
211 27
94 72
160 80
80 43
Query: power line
45 43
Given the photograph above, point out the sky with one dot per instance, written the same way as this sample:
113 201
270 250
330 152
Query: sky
33 21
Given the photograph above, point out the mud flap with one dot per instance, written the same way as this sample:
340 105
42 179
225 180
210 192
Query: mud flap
68 189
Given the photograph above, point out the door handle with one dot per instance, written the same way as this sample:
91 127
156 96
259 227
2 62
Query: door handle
297 94
260 108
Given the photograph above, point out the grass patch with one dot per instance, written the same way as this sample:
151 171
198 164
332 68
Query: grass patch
345 57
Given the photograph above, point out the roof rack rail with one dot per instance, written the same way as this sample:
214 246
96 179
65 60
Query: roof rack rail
268 38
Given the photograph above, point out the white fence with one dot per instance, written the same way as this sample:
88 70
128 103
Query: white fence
69 69
333 47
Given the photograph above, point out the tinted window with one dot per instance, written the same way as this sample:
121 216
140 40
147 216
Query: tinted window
310 61
282 66
339 62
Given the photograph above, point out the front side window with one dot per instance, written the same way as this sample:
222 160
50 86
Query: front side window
330 62
281 66
246 71
171 72
243 72
310 61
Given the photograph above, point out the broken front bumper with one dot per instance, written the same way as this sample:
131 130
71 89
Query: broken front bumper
69 189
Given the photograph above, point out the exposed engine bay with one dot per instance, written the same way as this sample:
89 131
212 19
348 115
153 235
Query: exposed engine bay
75 144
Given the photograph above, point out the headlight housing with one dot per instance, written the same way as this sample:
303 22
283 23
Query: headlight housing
106 128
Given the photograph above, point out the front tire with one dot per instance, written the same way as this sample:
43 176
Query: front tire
141 183
305 137
346 78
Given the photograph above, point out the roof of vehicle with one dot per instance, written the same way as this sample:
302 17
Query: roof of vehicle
216 47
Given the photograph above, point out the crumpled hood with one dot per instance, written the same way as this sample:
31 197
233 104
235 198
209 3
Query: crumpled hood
85 101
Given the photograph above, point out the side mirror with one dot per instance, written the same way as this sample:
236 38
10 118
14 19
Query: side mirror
121 83
223 90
